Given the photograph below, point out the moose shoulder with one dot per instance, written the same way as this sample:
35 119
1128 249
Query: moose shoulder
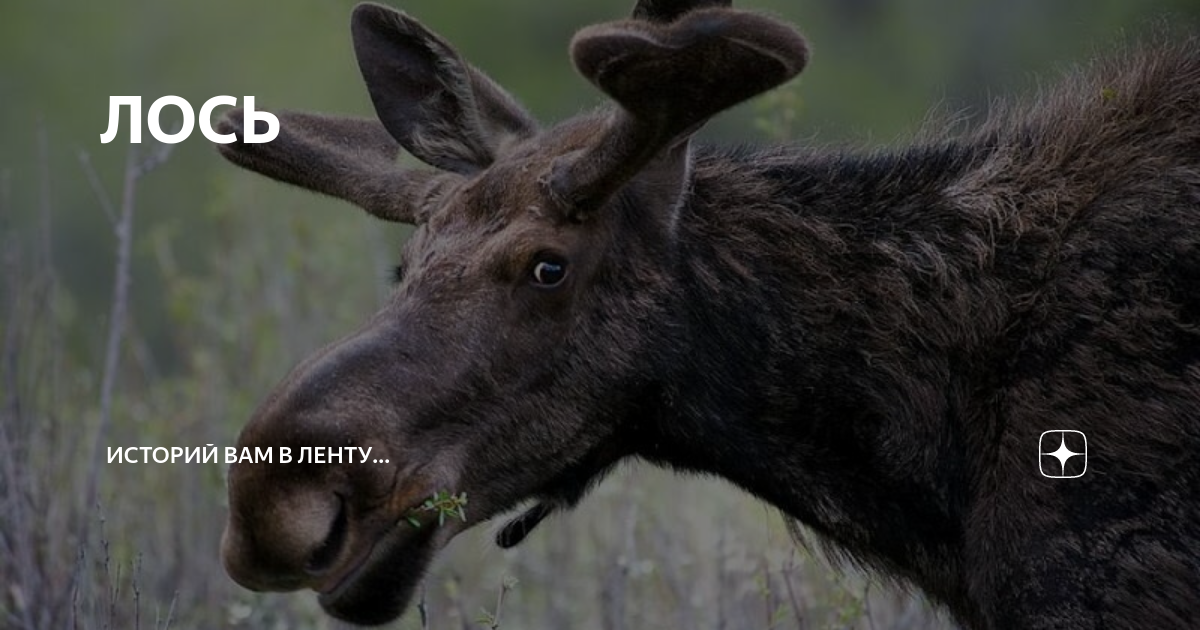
873 343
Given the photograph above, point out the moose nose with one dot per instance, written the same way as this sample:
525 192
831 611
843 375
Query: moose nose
237 554
282 543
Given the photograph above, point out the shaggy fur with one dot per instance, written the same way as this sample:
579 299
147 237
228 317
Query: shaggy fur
872 343
927 314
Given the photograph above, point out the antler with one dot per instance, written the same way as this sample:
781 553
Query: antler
669 79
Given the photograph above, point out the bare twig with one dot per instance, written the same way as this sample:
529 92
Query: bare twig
798 607
137 593
123 230
170 613
492 620
13 448
102 196
157 156
423 609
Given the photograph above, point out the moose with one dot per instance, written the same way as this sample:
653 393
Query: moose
876 343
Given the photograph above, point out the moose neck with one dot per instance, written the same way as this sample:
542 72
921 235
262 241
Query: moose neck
836 310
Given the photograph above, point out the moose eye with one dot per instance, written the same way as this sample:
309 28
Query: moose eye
549 271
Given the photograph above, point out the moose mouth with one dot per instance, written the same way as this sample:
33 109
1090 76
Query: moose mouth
374 585
376 582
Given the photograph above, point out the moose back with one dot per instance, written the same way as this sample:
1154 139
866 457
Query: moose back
876 344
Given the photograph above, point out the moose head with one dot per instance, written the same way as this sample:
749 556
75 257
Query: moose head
523 350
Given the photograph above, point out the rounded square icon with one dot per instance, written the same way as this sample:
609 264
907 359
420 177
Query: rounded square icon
1062 454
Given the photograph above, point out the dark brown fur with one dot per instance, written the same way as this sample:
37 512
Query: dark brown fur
872 343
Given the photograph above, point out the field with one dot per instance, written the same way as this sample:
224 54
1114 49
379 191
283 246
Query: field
151 295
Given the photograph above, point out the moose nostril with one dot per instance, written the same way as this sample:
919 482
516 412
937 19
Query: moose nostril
325 555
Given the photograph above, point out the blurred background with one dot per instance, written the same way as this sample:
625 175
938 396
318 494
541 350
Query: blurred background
232 279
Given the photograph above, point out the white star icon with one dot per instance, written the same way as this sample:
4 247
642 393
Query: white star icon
1062 453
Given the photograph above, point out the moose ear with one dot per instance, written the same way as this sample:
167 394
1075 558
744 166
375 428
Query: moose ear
669 79
670 10
348 158
439 108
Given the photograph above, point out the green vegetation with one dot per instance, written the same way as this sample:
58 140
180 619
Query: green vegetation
230 279
491 619
444 504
